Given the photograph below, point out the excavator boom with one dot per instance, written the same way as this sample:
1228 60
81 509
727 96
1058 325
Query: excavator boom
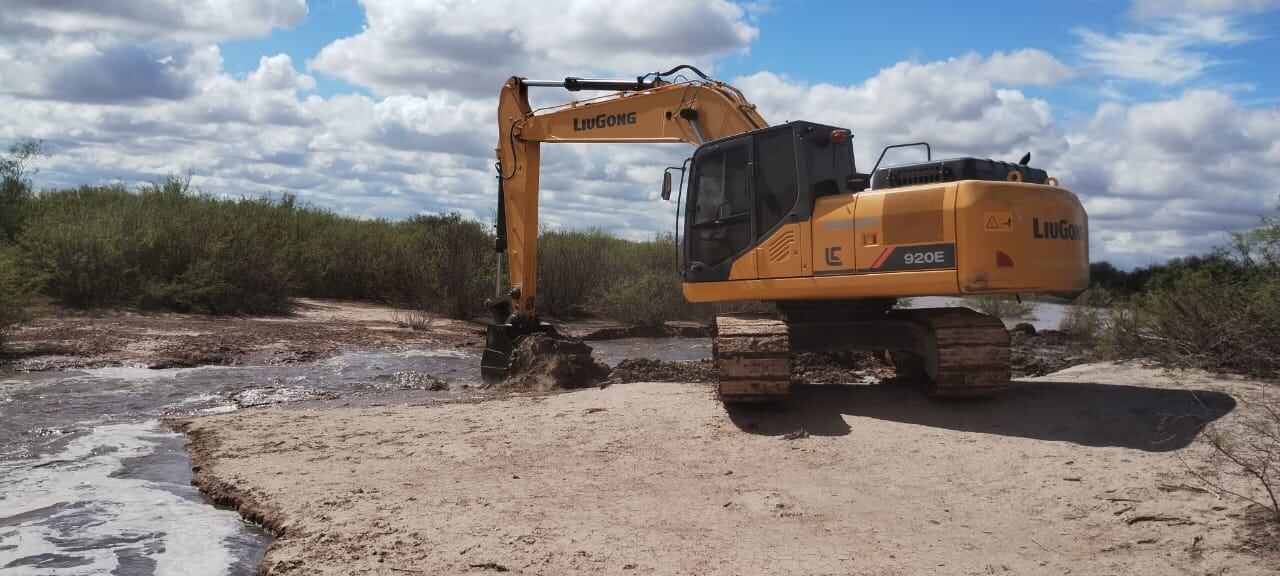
656 111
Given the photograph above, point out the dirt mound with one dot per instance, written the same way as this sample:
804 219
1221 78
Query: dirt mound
541 362
650 370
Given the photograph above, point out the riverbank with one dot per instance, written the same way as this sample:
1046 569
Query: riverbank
62 338
1082 471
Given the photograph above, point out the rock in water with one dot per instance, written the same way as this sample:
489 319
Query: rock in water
542 362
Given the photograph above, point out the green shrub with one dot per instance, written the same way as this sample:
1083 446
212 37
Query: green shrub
1087 316
162 247
16 286
1002 306
574 269
15 183
1218 312
1194 319
647 299
458 273
166 246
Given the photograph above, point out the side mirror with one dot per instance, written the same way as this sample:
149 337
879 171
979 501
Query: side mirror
666 179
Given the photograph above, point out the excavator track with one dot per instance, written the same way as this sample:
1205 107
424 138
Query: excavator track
753 354
964 354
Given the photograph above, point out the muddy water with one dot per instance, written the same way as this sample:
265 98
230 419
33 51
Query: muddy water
91 483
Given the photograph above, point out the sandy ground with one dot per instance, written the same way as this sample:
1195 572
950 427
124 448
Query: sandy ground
1080 472
61 338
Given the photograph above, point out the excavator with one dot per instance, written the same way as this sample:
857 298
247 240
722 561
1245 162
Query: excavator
781 214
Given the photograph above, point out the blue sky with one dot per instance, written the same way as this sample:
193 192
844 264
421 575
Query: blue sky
1161 114
834 42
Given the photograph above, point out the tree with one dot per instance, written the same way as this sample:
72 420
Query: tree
16 171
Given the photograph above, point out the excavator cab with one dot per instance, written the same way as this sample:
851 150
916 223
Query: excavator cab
745 188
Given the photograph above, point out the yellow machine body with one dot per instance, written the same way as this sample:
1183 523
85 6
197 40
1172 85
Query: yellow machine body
955 238
780 214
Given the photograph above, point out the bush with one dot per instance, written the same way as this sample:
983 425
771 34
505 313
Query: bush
15 290
15 183
1087 316
648 299
1196 320
1217 312
574 269
1002 306
162 247
458 269
166 246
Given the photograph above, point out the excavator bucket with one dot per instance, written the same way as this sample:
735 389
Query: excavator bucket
495 364
500 344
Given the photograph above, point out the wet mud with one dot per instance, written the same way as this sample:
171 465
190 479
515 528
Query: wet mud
543 363
64 339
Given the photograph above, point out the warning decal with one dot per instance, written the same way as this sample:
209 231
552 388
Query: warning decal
998 222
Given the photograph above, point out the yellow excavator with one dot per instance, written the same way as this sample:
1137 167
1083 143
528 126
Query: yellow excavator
781 214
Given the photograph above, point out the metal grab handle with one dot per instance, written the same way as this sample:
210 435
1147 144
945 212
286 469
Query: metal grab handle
927 150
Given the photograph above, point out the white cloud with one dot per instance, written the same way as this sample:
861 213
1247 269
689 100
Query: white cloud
1172 50
1025 67
471 47
1162 178
142 20
955 104
1165 8
118 51
1169 178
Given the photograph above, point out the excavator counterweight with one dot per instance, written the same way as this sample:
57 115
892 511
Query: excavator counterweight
781 214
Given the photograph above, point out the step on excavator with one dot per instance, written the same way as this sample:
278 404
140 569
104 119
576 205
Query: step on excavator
781 214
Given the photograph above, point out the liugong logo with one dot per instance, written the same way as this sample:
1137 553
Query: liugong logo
603 121
1060 230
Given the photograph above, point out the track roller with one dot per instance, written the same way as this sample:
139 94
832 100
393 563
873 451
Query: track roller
962 354
753 355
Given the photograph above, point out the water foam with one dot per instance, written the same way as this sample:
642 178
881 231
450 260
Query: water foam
70 509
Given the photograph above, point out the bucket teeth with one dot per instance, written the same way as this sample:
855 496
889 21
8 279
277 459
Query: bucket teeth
753 355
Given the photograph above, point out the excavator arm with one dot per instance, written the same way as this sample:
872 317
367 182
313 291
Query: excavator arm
650 110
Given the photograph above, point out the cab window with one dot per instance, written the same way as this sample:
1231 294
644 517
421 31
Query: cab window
720 222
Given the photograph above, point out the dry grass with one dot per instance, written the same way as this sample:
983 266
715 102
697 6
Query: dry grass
414 319
1249 450
1002 306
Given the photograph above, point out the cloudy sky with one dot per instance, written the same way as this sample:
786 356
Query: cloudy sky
1163 115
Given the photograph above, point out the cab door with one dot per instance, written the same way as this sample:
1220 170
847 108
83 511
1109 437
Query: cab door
783 241
718 216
